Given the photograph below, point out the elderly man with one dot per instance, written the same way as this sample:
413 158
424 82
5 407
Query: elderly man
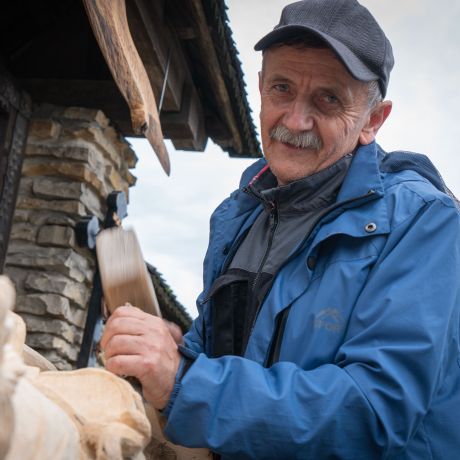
329 320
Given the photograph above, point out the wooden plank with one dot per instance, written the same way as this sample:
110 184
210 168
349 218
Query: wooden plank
156 44
110 26
124 275
154 62
213 68
187 127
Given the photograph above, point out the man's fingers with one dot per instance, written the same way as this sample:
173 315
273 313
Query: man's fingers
130 365
175 331
123 345
122 326
127 324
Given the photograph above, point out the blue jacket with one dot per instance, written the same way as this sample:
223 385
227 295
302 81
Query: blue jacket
369 364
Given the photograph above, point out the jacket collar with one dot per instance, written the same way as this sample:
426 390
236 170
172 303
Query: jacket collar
364 173
362 184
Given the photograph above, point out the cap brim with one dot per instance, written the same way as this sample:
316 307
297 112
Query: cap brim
349 59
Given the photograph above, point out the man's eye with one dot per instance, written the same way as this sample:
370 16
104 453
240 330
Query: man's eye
281 87
331 99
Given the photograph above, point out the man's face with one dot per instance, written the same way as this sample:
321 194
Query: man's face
309 90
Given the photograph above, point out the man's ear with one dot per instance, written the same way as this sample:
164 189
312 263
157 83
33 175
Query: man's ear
377 117
260 81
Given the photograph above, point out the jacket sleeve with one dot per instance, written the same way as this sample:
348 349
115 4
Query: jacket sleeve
194 337
369 402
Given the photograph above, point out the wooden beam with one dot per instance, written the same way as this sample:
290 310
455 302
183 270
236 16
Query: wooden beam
217 86
110 26
154 43
187 127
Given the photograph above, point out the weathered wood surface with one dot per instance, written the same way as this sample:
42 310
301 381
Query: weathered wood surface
124 275
109 23
35 359
217 86
51 415
156 46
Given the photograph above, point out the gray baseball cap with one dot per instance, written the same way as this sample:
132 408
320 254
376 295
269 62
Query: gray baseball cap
347 27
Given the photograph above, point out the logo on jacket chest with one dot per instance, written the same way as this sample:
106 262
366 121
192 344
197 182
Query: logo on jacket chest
329 319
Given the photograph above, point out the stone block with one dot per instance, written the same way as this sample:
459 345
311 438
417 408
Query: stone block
37 217
80 113
39 304
60 328
57 219
105 140
31 304
25 186
56 188
53 305
44 343
44 129
116 180
17 276
65 261
61 363
52 283
72 207
56 235
21 215
130 157
23 231
76 151
131 179
92 202
51 326
76 171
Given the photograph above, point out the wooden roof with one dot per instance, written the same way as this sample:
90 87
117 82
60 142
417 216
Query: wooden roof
49 48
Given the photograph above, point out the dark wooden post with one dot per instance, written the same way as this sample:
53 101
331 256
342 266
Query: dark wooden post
15 108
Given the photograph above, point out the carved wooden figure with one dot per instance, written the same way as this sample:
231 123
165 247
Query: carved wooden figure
84 414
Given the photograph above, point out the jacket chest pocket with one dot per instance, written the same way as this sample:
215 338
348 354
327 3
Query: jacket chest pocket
317 320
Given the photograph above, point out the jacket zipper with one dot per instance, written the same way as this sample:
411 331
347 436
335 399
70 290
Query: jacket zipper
274 225
274 215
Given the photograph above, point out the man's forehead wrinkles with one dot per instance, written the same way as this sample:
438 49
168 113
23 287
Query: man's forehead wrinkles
332 84
313 63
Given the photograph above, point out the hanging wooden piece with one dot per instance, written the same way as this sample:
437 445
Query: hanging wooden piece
124 275
110 26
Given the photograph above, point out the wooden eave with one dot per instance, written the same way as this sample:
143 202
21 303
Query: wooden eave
50 49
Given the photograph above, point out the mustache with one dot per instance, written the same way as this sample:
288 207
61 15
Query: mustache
302 139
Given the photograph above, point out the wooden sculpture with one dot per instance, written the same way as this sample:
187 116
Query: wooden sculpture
51 415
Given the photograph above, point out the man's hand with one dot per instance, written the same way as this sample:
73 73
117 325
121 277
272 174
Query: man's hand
143 346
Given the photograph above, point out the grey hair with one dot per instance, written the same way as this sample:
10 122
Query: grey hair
374 95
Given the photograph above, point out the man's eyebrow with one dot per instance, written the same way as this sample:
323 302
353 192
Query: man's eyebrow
279 77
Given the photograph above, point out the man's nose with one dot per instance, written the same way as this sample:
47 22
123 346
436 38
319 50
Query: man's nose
299 116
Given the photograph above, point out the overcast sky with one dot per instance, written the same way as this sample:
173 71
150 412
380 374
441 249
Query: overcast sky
171 215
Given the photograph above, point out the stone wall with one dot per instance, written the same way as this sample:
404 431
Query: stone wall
74 159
